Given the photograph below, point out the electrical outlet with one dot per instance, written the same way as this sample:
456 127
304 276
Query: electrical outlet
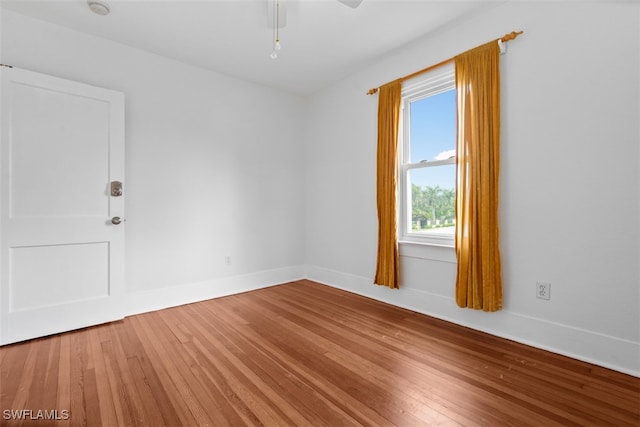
227 260
543 290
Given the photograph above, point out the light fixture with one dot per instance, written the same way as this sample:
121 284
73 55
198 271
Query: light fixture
351 3
276 30
98 7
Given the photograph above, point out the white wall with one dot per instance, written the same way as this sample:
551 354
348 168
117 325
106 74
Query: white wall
212 165
569 182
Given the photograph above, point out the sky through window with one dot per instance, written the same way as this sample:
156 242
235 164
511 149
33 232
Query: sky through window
433 136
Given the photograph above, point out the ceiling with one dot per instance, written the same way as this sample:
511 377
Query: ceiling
323 40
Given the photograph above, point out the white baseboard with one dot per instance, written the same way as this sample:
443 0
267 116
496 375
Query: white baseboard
158 299
603 350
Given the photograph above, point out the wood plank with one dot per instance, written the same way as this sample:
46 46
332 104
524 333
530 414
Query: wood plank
164 373
484 374
302 353
63 389
107 411
378 360
276 385
169 353
12 365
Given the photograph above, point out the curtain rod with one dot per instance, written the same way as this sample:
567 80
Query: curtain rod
507 37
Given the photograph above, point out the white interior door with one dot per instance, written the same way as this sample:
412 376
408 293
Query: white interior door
62 258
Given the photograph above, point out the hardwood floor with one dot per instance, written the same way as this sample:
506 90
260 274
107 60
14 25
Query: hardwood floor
303 354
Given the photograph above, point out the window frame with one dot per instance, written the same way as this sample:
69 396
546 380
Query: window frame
437 81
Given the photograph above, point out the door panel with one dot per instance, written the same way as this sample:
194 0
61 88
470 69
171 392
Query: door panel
40 187
62 259
65 282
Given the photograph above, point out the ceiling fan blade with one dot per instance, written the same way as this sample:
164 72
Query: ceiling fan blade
351 3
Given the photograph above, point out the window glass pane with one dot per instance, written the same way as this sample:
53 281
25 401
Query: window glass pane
433 199
433 127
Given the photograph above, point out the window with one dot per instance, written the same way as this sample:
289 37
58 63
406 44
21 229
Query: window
428 158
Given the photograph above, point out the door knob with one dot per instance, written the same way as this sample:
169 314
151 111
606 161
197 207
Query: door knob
116 220
116 188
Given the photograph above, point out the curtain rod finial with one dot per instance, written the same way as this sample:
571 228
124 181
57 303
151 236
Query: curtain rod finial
372 91
511 36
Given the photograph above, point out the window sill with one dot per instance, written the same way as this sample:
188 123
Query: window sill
427 251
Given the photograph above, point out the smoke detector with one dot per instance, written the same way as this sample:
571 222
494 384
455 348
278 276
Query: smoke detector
98 7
